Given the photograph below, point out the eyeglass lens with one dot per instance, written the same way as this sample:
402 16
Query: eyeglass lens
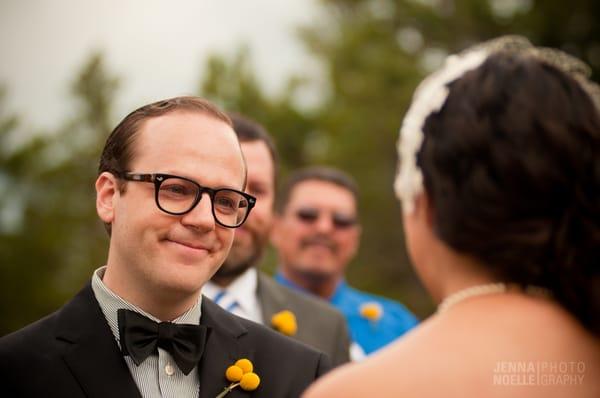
310 215
177 195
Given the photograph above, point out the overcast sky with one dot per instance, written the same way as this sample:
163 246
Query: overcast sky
157 47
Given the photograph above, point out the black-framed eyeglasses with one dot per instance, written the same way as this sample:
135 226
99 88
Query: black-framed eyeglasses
309 215
179 195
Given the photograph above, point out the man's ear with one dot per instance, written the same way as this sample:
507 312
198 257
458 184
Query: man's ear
106 191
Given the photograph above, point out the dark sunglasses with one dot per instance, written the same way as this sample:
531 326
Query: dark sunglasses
339 221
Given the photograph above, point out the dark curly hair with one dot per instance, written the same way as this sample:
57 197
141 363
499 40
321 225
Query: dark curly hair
511 164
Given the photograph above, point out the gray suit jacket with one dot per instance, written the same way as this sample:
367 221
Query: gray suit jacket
319 324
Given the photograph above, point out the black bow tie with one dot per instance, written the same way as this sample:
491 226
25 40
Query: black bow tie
141 336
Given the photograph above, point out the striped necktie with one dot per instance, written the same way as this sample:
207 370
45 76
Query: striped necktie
226 301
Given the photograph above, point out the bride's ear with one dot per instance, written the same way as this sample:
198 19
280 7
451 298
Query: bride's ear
423 210
428 208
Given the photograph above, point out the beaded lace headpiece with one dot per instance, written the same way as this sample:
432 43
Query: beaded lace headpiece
430 96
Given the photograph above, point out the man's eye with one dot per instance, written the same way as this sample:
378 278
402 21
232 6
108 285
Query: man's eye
175 189
224 202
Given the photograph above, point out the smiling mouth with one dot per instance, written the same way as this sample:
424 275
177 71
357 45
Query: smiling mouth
188 245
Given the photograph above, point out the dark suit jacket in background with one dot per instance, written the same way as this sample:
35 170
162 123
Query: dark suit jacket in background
319 324
72 353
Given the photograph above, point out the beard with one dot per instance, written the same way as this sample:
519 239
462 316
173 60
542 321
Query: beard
243 255
314 272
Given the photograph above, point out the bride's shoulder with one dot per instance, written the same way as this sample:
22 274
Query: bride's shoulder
403 368
460 353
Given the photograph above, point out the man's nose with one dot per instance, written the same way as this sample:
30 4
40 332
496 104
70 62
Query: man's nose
201 216
324 223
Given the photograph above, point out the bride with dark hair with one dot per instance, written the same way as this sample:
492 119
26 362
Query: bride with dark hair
499 181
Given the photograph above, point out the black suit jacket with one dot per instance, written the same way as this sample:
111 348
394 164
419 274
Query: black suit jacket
72 353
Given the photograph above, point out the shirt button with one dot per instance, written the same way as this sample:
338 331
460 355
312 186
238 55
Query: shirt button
169 370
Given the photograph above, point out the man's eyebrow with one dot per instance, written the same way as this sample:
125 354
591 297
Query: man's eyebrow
187 176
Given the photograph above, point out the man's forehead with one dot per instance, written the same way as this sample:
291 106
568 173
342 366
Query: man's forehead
190 142
257 149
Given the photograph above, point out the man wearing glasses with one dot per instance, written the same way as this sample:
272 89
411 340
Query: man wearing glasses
170 193
316 233
242 289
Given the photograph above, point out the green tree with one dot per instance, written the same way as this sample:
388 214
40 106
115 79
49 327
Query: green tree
233 84
374 53
50 236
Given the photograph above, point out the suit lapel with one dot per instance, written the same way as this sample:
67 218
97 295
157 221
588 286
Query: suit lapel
93 357
221 351
92 353
271 300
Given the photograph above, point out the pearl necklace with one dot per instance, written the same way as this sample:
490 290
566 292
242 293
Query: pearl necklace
490 288
477 290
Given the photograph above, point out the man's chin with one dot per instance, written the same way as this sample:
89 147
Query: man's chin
241 257
236 264
315 276
231 271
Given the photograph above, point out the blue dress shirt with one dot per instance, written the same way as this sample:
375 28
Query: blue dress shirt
369 334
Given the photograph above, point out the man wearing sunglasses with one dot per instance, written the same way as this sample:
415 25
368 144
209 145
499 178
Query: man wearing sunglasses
242 289
316 233
170 191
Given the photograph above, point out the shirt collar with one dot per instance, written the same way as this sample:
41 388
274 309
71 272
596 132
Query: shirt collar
338 292
243 289
110 303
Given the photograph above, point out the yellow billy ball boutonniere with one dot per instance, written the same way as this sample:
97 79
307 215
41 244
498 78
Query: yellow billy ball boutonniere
241 374
372 311
285 322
